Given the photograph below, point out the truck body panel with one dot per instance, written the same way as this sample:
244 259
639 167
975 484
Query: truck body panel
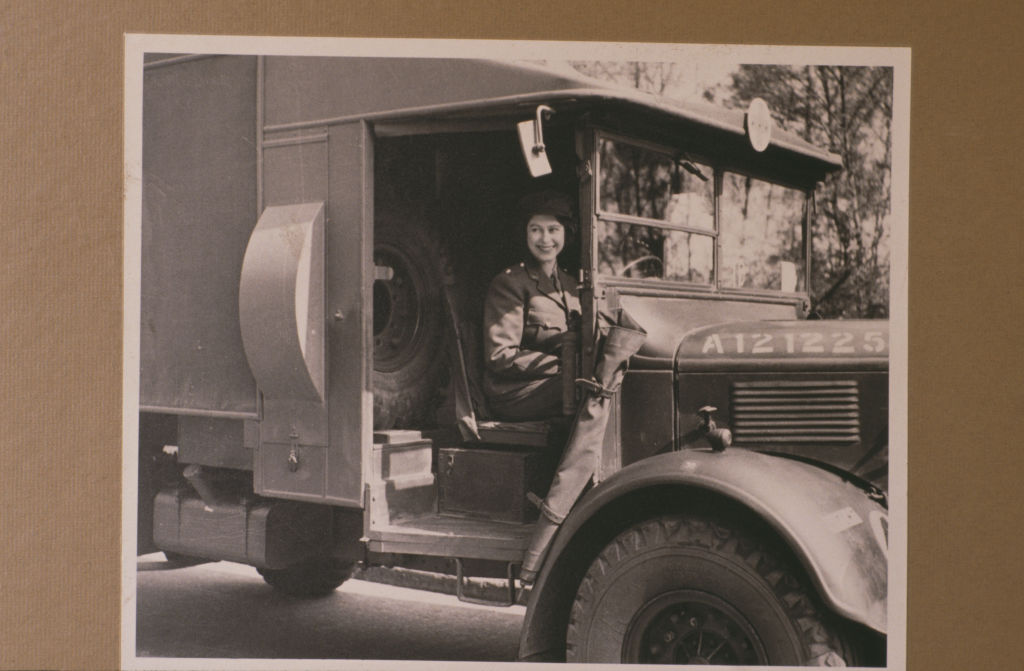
199 164
311 441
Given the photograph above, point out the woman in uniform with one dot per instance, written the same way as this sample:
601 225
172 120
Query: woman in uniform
527 314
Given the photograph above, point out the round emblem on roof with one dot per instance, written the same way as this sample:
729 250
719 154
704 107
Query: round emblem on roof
759 124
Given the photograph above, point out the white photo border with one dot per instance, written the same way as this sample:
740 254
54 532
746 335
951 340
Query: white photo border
136 45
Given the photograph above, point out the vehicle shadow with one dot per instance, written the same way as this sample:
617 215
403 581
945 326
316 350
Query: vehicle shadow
206 611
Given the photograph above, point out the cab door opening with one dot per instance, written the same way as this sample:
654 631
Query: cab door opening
445 224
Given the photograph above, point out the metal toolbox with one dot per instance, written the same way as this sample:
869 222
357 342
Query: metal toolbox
493 484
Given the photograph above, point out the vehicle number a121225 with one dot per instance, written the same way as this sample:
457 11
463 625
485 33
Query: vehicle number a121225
803 342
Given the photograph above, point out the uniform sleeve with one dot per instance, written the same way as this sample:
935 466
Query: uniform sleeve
503 334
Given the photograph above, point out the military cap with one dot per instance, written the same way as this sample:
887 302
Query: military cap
550 202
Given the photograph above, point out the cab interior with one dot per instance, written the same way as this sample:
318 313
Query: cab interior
436 489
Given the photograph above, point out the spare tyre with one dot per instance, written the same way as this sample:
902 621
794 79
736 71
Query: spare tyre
408 323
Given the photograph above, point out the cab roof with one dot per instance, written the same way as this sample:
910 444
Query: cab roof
729 120
304 91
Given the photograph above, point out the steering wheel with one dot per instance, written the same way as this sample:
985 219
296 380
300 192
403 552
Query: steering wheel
628 268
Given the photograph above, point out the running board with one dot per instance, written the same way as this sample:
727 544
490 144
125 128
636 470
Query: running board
447 536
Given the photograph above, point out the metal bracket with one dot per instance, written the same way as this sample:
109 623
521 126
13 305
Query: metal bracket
543 112
460 587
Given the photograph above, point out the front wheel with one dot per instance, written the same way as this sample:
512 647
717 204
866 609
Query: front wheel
686 589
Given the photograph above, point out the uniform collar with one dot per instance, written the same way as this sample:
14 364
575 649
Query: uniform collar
534 270
544 283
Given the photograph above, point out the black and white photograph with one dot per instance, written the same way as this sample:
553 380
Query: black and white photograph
444 352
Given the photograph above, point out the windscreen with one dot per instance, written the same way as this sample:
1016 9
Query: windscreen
657 215
761 234
661 217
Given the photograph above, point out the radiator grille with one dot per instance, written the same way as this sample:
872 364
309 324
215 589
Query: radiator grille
795 411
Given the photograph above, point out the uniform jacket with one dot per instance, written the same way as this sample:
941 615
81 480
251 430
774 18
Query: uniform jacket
524 319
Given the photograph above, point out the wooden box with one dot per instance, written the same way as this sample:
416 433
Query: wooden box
493 484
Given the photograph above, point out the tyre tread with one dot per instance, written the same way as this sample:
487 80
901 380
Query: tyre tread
823 645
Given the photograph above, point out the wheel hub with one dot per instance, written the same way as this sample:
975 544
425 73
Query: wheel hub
691 627
396 316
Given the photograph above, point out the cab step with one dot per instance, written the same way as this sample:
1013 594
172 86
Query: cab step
402 485
510 596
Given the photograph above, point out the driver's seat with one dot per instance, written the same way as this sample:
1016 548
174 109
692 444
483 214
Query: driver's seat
471 405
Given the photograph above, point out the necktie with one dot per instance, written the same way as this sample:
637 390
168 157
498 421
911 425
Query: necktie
561 294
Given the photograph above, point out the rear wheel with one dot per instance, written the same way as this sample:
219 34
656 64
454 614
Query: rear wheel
688 590
312 578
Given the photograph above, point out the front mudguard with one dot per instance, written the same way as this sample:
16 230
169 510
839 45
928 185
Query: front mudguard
833 527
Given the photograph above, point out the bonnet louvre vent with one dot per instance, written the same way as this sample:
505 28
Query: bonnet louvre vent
788 411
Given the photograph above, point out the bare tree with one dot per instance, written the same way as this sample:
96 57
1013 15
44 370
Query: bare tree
849 111
647 76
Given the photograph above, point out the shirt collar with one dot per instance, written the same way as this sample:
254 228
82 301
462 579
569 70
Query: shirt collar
534 270
544 283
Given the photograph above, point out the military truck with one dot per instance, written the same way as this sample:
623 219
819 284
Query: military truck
318 235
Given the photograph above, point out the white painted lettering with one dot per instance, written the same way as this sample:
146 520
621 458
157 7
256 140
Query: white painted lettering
761 345
812 343
842 344
713 342
874 342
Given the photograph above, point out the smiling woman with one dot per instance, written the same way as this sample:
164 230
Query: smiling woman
529 309
545 238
